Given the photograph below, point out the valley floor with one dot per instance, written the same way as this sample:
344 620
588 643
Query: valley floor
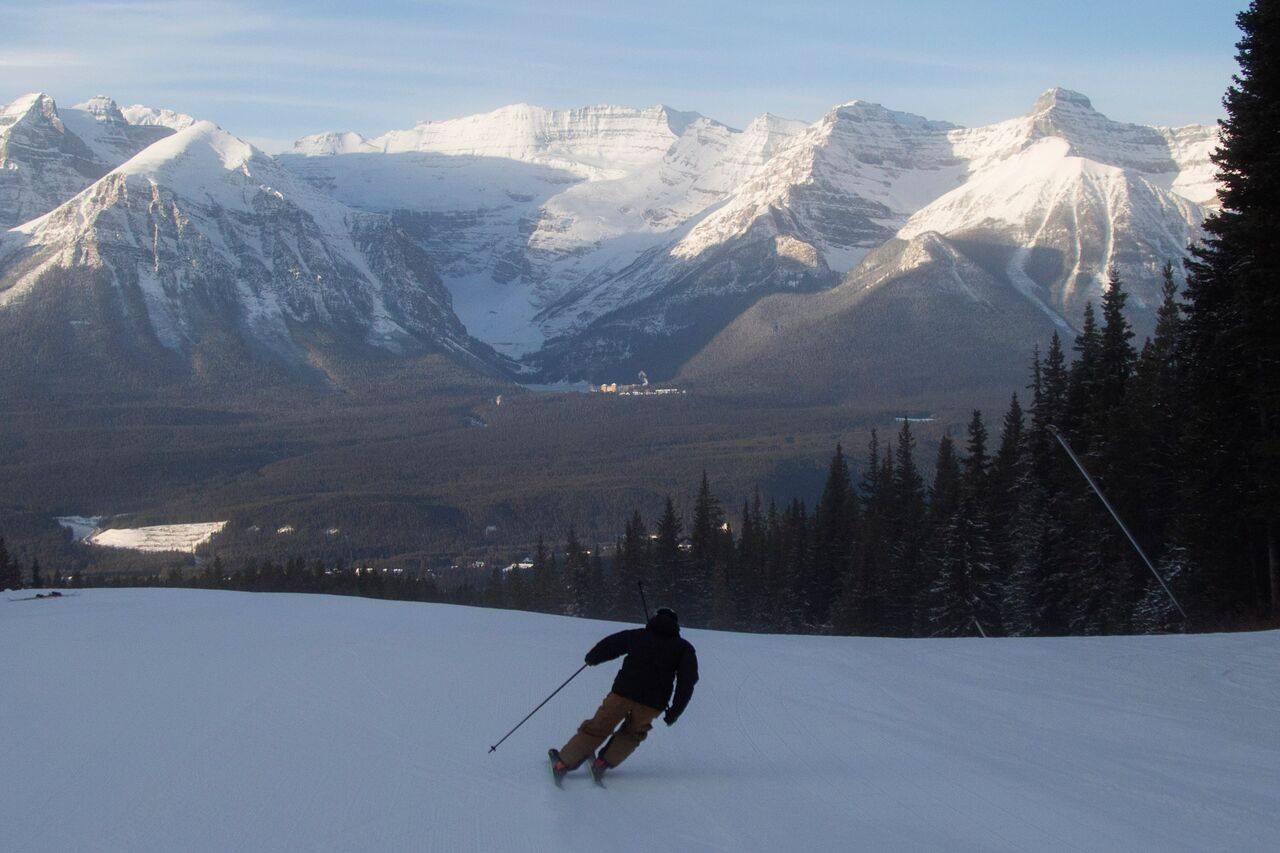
196 720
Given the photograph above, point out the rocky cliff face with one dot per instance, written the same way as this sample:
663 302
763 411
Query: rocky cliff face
202 238
47 155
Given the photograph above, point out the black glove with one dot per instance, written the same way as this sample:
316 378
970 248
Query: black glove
670 718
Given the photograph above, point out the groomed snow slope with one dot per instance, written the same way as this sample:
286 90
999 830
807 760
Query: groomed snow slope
185 720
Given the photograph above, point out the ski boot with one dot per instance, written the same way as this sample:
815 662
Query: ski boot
598 767
558 768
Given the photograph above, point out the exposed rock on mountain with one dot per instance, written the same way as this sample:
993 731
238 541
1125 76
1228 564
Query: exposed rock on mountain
200 248
47 156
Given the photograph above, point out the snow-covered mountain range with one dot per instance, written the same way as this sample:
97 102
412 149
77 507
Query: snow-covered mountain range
587 243
199 241
602 241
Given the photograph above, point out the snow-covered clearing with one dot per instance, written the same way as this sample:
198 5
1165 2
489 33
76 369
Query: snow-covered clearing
190 720
161 537
81 526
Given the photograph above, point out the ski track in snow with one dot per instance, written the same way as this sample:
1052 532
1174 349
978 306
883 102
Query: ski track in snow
192 720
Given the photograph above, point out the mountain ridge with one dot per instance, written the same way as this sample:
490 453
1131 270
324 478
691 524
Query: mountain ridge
596 242
200 237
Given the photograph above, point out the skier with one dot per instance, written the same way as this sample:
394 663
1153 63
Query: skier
656 657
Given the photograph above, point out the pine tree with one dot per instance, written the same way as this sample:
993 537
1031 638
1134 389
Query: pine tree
544 595
10 576
577 576
1082 381
694 595
1110 433
834 532
963 595
494 590
944 501
723 603
668 559
37 579
968 541
1230 349
907 522
632 566
771 596
868 589
516 589
1116 355
748 573
795 554
598 593
1155 414
1057 380
976 460
1010 471
944 492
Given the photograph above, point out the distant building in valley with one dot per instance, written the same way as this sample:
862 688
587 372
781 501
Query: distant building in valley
640 389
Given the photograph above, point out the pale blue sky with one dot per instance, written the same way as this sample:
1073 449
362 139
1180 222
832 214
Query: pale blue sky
277 69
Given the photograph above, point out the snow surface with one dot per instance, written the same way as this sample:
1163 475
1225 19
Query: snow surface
150 116
190 720
160 537
81 526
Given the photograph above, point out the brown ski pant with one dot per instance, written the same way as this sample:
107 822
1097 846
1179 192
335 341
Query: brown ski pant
636 721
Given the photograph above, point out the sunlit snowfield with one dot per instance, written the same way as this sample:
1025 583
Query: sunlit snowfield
191 720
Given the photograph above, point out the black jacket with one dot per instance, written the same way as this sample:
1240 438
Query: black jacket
657 656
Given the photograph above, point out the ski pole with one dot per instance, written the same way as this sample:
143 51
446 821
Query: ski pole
540 704
1053 430
640 585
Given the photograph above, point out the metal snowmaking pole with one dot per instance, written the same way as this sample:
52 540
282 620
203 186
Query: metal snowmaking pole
1053 430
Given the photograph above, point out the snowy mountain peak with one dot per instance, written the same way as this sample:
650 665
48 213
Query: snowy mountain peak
1058 97
33 104
103 109
864 111
679 120
600 142
145 116
330 143
204 144
212 238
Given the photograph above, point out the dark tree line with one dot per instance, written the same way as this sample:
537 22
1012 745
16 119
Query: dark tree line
13 575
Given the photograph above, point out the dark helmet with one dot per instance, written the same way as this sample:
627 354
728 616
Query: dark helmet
664 622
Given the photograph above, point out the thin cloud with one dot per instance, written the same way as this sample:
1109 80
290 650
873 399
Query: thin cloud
11 58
